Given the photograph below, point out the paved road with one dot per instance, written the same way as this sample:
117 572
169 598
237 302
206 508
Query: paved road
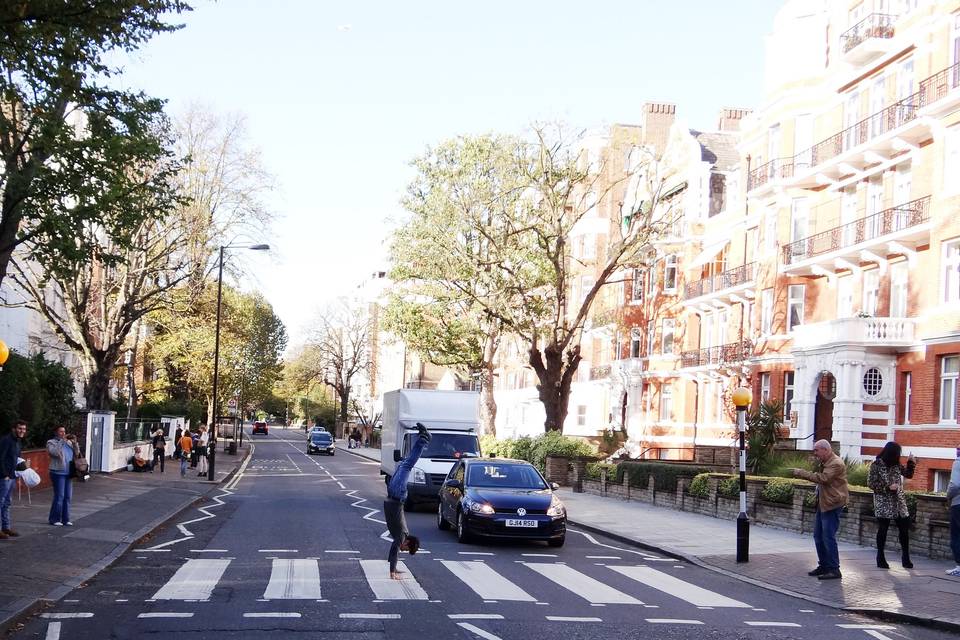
294 545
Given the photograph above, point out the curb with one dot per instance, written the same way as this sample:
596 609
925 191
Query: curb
879 614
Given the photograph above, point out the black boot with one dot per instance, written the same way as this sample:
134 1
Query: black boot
882 560
903 525
882 525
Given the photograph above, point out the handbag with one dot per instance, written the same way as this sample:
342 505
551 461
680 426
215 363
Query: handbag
81 465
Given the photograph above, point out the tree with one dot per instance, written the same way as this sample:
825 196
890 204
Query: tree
68 140
37 390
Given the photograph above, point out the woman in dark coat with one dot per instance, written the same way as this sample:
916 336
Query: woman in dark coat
889 501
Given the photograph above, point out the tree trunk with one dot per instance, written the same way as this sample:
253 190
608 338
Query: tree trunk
488 405
96 388
555 370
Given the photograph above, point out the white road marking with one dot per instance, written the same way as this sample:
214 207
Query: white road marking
278 550
209 551
340 551
166 614
292 579
678 588
486 635
877 634
879 627
573 619
154 550
603 557
581 584
53 631
274 614
475 616
65 616
377 573
475 553
295 465
671 621
486 582
621 549
195 580
757 623
370 616
340 484
539 555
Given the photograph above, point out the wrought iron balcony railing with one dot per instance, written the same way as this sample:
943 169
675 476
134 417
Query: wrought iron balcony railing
939 85
875 25
773 170
727 280
601 372
721 354
853 233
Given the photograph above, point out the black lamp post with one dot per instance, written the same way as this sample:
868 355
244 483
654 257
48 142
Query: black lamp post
741 399
216 356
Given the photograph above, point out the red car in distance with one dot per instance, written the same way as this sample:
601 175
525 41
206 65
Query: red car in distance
260 427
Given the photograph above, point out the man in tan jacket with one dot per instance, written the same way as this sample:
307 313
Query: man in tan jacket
832 495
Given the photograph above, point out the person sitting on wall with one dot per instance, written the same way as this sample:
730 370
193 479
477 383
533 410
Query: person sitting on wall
140 464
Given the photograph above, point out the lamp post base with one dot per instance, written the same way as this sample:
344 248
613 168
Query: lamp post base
743 538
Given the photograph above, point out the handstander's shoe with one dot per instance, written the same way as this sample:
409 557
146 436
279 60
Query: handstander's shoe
832 574
816 572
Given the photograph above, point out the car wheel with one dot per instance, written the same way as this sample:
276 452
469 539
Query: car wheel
557 542
442 523
463 532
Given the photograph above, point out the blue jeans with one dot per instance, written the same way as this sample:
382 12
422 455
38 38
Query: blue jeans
6 492
184 461
825 537
62 493
955 533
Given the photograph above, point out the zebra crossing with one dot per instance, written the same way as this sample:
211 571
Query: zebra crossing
196 580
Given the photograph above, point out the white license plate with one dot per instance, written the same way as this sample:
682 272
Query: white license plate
532 524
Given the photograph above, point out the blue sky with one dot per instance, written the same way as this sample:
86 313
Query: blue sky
339 96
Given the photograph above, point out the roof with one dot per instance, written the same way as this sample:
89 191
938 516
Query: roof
488 460
719 149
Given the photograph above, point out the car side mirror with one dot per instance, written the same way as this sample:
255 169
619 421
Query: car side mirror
452 483
554 486
396 455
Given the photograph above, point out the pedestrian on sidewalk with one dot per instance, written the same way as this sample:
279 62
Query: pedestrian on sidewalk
832 495
203 440
195 445
176 443
10 446
138 463
953 497
186 446
889 500
393 505
159 448
63 450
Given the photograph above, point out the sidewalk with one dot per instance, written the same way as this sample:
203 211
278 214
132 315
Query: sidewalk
110 513
779 560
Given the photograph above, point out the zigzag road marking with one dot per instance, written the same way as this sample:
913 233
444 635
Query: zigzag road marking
610 546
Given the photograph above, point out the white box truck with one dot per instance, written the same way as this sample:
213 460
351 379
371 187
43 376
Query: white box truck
453 420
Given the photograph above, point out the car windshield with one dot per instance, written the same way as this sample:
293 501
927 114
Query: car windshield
504 476
321 437
450 446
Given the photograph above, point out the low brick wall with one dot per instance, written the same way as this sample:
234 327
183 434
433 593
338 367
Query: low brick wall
558 470
39 462
929 534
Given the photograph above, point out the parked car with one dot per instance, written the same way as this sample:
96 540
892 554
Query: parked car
321 442
501 498
260 427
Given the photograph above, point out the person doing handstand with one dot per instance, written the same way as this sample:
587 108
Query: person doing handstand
393 505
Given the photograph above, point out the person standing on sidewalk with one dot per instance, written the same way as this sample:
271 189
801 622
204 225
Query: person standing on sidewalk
186 446
832 495
889 500
202 443
176 443
953 497
159 448
63 450
393 505
10 446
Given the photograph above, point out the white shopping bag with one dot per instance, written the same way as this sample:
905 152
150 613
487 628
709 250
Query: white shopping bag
30 477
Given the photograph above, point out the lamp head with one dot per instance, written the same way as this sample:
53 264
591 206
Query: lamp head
259 247
742 398
4 353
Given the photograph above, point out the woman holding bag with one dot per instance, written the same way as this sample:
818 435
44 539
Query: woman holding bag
63 450
159 448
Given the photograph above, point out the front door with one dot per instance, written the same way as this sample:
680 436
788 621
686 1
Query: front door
823 411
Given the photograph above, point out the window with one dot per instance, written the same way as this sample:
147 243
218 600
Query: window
905 79
799 215
636 291
589 249
670 274
795 294
787 396
951 271
872 381
907 396
652 278
848 215
770 232
898 290
581 415
666 335
651 337
951 160
647 400
635 341
766 312
845 297
586 285
666 402
871 291
949 372
941 480
764 387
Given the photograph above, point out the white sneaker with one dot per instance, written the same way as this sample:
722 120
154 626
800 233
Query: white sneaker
57 524
68 524
954 572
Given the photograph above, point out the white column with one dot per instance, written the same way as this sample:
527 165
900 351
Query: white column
804 403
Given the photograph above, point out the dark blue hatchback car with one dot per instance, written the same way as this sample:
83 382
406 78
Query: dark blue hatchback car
321 442
501 498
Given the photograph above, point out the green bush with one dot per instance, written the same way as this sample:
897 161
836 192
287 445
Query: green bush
763 426
778 490
782 462
810 499
729 487
857 473
594 469
535 450
489 444
37 390
665 474
700 486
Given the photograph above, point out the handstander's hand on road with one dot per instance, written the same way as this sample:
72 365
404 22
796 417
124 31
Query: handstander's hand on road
422 430
397 575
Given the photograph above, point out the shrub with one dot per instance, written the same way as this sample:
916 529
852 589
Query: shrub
810 499
729 487
781 463
778 490
700 486
594 469
535 450
762 428
665 474
857 473
37 390
489 444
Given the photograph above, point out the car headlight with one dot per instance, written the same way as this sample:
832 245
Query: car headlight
417 476
482 507
556 508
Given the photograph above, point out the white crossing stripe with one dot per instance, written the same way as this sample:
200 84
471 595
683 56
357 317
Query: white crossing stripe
278 614
475 616
477 631
485 582
195 580
591 590
377 573
166 614
53 631
65 616
678 588
671 621
573 619
293 580
758 623
370 616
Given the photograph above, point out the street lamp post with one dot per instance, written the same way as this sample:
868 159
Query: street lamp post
216 356
741 399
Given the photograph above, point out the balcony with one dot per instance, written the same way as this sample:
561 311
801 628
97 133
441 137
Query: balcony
896 230
601 372
939 94
762 180
725 287
629 367
879 334
724 354
868 39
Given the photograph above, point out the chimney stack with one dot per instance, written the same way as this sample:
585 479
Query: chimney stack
730 118
658 117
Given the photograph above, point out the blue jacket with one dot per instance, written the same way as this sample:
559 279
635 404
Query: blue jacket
397 489
9 452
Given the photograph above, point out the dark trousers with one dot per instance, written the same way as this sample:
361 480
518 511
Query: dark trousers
158 458
62 493
955 532
903 529
397 525
825 538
